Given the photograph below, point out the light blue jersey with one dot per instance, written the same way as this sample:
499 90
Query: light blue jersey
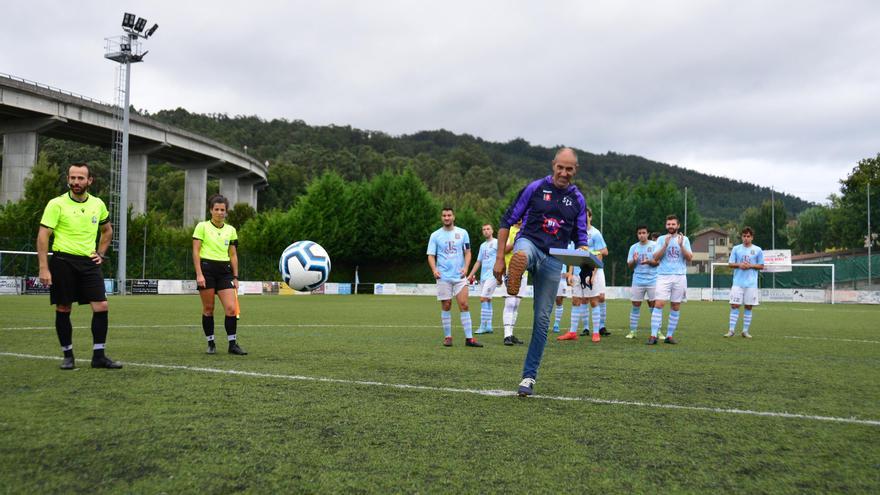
595 241
753 254
643 275
672 263
488 251
448 246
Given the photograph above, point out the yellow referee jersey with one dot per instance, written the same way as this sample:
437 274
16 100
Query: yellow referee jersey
74 224
215 241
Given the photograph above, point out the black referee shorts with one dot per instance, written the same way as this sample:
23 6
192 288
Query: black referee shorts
218 275
75 278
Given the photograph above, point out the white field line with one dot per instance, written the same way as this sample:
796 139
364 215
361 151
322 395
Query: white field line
489 393
832 339
269 325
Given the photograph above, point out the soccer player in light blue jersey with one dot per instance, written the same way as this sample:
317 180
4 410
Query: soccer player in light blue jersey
747 260
641 259
449 255
485 261
596 294
673 252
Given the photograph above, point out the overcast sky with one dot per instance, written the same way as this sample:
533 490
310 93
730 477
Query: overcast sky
782 93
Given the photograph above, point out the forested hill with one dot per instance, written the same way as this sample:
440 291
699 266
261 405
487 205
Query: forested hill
450 164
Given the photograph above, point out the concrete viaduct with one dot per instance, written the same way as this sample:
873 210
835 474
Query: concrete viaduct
28 110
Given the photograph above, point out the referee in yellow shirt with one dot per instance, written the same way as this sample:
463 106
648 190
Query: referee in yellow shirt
216 261
74 271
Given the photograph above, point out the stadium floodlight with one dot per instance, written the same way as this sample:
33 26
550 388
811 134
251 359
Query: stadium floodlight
125 50
128 20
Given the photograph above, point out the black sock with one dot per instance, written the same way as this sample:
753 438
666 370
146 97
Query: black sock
65 331
99 331
208 325
231 324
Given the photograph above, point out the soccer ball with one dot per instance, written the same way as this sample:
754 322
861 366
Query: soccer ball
304 266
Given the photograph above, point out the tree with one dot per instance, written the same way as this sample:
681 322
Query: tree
20 222
849 218
760 219
810 233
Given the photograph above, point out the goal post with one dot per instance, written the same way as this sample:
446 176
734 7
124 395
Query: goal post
781 265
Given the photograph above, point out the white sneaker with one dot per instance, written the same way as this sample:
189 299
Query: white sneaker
746 335
631 335
729 334
525 387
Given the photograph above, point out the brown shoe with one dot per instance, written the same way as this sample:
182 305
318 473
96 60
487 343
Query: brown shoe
518 263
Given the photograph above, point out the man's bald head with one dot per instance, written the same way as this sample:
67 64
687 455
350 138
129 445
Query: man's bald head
566 154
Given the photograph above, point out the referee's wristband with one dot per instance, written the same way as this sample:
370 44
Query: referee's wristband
235 277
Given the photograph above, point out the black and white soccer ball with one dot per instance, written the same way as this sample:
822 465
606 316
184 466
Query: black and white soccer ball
304 266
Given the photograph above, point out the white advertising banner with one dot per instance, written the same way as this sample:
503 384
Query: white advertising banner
178 287
776 259
250 288
9 285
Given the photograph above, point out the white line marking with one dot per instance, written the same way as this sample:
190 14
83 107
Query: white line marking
269 325
489 393
836 340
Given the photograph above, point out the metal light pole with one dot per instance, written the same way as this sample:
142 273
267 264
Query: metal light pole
685 211
125 50
870 237
773 225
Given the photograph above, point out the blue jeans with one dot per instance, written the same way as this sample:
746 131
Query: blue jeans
545 273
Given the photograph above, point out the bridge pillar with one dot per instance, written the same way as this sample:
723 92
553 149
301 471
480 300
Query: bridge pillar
229 188
19 156
195 196
137 184
246 193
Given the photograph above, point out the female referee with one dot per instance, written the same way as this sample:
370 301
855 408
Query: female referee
216 263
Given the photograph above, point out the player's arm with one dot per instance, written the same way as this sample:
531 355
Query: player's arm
632 258
103 243
197 262
498 269
432 262
686 248
43 254
233 261
473 274
660 253
467 261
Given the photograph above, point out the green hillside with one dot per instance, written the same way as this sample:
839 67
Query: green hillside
460 162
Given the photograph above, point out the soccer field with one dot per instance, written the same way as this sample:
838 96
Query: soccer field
356 394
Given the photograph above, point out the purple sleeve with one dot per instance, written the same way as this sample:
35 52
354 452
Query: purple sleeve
579 235
520 205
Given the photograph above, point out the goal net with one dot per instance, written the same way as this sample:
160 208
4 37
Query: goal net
797 282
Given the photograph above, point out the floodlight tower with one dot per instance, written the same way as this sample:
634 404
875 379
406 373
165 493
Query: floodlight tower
126 50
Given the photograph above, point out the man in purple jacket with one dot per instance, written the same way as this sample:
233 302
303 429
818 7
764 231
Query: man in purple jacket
553 212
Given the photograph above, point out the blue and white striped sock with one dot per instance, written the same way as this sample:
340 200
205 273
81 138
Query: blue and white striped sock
747 320
558 316
597 316
734 317
634 318
576 313
656 321
466 323
446 322
673 323
602 315
489 315
483 315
